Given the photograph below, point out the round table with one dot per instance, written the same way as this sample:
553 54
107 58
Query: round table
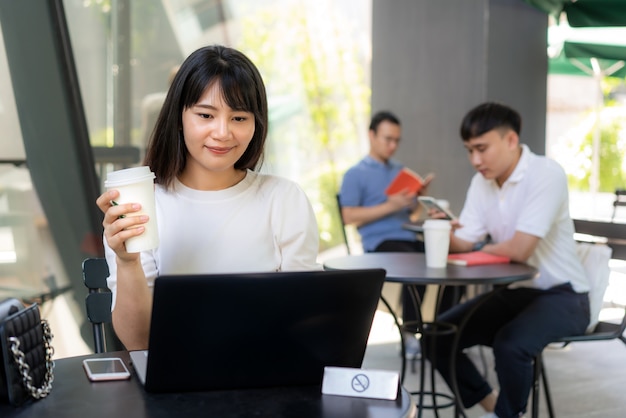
73 395
411 269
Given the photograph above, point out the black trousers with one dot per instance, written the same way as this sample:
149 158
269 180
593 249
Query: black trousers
450 297
517 323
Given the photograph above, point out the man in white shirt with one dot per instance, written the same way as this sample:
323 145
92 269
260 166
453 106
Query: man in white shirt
520 200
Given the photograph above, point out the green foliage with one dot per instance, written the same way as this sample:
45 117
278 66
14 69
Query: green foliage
102 138
612 161
319 72
323 197
316 86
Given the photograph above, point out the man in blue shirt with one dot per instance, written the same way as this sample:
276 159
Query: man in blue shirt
378 217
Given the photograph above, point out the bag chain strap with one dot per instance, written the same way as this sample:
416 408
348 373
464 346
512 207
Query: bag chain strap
24 368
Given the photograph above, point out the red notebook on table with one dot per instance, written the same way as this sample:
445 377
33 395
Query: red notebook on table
477 258
406 179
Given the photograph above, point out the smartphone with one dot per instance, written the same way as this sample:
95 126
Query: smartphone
431 203
102 369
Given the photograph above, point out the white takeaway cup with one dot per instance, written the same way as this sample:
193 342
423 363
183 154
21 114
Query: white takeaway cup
436 242
136 185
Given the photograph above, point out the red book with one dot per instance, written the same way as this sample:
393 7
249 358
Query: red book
477 258
407 180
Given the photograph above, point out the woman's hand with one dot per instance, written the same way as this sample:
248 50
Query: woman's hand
119 224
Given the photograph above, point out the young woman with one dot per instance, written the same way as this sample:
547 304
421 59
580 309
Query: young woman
215 214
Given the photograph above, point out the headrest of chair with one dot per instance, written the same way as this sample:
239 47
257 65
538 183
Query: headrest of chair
95 273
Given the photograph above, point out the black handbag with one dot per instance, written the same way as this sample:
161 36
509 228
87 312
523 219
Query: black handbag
26 366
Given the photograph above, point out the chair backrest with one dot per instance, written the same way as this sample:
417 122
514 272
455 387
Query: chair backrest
601 235
343 224
595 260
610 233
98 301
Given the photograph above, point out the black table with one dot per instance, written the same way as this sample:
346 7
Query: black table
75 396
411 269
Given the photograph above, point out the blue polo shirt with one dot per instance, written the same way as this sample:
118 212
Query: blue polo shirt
364 185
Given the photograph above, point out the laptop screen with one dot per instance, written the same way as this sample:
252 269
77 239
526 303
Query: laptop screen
258 330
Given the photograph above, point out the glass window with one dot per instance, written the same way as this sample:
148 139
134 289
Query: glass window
22 223
315 60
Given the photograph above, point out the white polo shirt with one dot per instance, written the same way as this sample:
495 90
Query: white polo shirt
533 200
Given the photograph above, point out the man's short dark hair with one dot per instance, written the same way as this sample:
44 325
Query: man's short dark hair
382 116
487 116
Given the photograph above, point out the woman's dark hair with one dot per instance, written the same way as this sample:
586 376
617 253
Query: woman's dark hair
242 88
382 116
487 116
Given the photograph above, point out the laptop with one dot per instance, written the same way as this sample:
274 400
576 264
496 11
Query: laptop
254 330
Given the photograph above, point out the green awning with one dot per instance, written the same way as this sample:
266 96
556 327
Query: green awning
583 66
585 51
585 13
601 51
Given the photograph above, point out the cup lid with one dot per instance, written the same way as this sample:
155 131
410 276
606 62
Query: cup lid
128 176
437 224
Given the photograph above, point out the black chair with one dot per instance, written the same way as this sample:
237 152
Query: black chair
613 235
620 200
349 232
343 225
98 301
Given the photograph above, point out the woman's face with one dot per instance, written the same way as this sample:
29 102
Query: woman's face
216 136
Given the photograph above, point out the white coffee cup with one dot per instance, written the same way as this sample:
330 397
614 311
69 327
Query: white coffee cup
436 242
136 185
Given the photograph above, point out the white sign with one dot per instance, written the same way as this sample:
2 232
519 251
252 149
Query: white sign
344 381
